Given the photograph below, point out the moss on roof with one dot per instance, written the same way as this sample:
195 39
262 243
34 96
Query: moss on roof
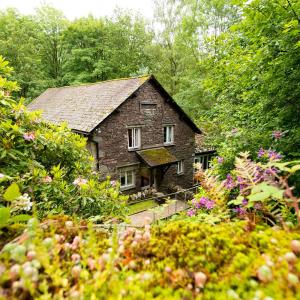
157 157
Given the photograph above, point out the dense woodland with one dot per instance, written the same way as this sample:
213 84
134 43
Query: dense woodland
234 66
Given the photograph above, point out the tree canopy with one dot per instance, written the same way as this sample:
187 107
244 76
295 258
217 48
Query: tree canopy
233 65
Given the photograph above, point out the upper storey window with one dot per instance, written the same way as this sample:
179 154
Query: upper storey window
134 138
168 134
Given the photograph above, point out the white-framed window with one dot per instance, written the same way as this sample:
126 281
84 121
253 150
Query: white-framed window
168 134
127 179
134 138
180 167
203 159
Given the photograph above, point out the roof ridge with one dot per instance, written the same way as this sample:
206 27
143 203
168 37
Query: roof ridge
146 76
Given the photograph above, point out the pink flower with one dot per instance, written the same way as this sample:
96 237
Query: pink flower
75 258
220 159
113 182
80 181
200 279
91 263
191 212
47 179
277 134
29 136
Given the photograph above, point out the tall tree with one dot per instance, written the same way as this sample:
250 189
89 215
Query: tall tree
85 44
52 24
100 49
188 31
255 81
19 43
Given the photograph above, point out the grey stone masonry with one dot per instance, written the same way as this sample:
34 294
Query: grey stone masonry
149 110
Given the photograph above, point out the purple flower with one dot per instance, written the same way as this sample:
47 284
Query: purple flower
240 210
277 134
29 136
261 152
220 159
229 184
258 206
270 171
273 155
203 201
245 202
241 183
239 179
198 205
259 175
191 212
210 204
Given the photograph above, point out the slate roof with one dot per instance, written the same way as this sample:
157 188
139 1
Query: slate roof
85 106
200 146
157 157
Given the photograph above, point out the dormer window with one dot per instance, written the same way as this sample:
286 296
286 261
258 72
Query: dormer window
134 138
168 135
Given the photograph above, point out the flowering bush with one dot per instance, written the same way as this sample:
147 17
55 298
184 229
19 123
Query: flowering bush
49 165
253 188
60 258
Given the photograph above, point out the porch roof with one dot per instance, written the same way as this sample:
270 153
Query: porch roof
157 157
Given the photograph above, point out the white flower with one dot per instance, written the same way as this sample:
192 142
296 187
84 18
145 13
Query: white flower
47 179
2 175
22 203
80 181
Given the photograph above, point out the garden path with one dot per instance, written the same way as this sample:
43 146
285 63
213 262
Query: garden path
155 214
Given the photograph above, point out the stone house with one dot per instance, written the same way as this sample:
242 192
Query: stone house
135 130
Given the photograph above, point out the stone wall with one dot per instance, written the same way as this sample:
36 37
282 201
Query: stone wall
150 110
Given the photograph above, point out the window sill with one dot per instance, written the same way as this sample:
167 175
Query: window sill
180 174
133 149
169 144
125 188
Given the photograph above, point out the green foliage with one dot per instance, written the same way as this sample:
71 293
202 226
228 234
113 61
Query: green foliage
259 191
48 164
253 81
47 50
19 43
140 206
100 49
176 260
16 202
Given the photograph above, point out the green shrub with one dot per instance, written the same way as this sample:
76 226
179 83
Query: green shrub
255 190
49 163
60 258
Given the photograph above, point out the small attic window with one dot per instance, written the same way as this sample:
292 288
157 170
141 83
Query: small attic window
148 107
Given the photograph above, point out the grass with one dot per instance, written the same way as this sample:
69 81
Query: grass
143 205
